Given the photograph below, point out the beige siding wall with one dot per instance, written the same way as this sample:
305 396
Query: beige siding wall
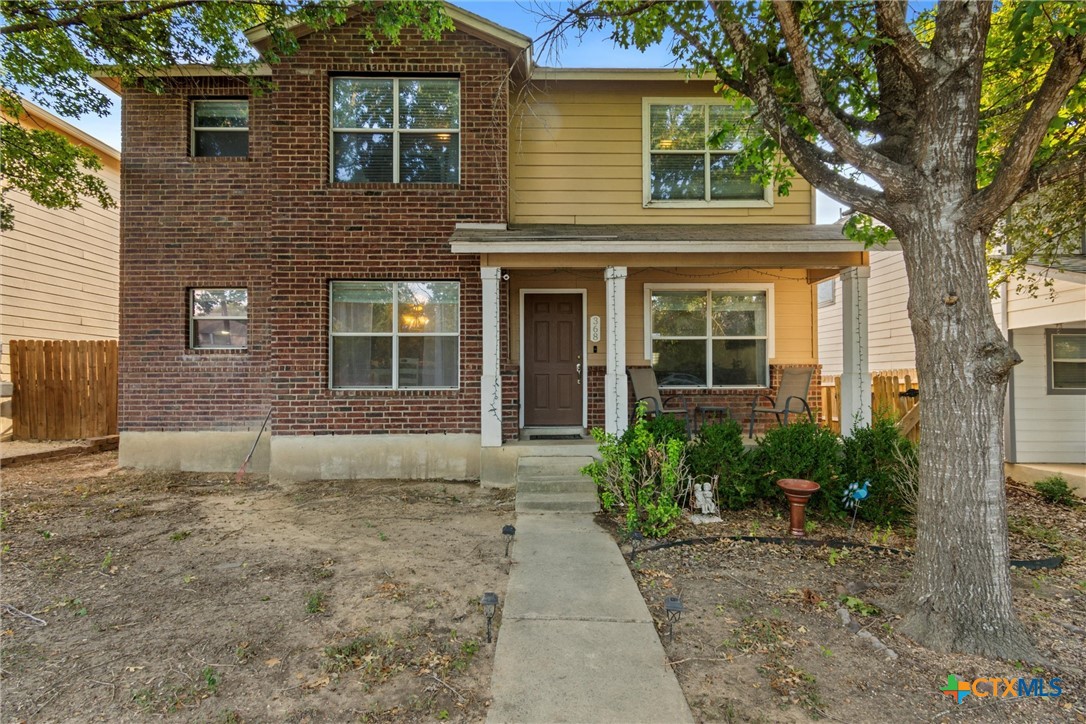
794 337
576 158
1064 302
890 338
1048 428
59 273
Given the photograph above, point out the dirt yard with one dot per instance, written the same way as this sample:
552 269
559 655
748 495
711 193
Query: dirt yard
193 596
762 640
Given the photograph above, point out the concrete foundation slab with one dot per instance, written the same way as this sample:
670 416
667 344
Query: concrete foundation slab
376 457
199 452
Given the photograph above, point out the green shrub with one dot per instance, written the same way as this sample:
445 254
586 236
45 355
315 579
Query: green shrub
800 450
643 475
882 455
718 453
663 427
1055 490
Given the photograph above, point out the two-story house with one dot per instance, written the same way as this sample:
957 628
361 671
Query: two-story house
410 255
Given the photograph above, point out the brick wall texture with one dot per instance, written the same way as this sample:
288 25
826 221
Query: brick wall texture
273 223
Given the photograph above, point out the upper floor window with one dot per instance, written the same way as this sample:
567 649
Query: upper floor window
719 336
1066 361
690 153
219 318
398 130
220 128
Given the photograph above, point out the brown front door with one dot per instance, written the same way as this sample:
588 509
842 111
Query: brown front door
552 359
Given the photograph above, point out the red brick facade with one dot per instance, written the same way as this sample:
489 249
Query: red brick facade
274 224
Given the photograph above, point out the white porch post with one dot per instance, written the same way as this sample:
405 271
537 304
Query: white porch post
490 388
855 374
615 399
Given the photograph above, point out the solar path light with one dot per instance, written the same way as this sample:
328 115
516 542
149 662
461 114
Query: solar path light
508 531
673 605
490 605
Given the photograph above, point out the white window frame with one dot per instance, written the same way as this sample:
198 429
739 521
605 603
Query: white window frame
395 334
770 326
1050 357
193 318
194 129
646 160
395 131
830 284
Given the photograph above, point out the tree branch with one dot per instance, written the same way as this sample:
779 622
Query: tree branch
1067 69
891 176
807 158
914 57
1054 172
80 17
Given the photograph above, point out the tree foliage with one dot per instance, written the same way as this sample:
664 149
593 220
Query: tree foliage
50 48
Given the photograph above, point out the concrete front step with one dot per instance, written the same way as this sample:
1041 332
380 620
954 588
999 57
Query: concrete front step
551 468
557 502
552 483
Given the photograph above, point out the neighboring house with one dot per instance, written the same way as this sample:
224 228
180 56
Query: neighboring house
410 255
1046 413
59 267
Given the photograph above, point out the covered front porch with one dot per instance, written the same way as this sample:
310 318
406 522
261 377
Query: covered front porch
719 311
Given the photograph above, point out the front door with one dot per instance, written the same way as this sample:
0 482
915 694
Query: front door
553 359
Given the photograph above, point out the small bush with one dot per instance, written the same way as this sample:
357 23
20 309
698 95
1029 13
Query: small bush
645 476
800 450
881 455
718 453
664 427
1055 490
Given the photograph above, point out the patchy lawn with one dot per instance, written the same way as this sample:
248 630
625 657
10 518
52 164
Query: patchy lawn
762 640
193 596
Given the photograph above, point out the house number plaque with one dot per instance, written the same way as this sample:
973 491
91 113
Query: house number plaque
594 328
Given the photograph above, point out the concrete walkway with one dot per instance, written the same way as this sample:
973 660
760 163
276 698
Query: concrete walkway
577 643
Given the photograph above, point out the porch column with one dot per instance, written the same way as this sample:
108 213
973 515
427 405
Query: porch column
490 388
614 393
855 374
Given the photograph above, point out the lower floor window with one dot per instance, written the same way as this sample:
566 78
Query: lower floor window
218 318
1067 360
709 337
395 335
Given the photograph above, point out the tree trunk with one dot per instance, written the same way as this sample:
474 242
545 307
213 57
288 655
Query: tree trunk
959 595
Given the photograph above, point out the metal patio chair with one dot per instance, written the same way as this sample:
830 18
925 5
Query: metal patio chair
791 397
646 390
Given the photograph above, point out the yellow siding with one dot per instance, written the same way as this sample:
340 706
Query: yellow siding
576 158
793 305
59 276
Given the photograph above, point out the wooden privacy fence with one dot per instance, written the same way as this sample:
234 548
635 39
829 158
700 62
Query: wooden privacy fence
63 390
886 396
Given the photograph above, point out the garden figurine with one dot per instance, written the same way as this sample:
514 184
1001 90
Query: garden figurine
854 493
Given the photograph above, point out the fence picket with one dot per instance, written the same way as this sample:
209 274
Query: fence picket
886 389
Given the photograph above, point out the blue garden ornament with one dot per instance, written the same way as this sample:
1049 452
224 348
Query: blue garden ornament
854 493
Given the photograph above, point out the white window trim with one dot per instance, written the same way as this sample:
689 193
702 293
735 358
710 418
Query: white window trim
194 129
770 322
1051 359
833 293
395 334
646 163
193 318
395 131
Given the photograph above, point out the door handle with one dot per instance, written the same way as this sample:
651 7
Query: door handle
578 373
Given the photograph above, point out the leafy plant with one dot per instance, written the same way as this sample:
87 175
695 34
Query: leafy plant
1055 490
718 454
211 679
800 450
882 455
314 602
858 605
642 474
